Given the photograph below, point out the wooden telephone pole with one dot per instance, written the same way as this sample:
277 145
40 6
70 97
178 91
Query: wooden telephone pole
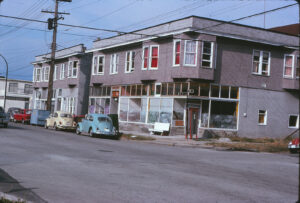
52 24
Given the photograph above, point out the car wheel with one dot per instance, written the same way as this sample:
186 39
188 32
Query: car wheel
90 132
78 130
45 126
55 127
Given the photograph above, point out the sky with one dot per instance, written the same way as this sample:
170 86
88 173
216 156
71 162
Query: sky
21 41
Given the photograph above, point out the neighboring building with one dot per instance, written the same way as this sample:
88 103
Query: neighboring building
70 81
293 29
18 94
197 74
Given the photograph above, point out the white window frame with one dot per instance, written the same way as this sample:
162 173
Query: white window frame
196 53
211 54
174 52
62 71
261 62
114 63
265 118
97 65
54 73
284 66
70 65
297 65
150 57
73 68
130 68
148 65
38 79
46 70
297 124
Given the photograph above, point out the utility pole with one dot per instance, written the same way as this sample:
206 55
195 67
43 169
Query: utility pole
53 49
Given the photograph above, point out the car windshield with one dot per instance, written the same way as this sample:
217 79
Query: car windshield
103 119
65 115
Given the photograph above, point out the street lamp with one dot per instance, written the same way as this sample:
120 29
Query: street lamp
5 80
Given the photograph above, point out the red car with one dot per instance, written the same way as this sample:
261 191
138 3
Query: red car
294 145
23 116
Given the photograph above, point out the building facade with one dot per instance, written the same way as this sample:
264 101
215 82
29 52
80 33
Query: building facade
18 93
199 74
70 80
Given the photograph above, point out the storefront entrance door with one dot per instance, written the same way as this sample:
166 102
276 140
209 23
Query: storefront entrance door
193 122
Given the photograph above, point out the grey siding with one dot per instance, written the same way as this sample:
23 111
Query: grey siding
278 105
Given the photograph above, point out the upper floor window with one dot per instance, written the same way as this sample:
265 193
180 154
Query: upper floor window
145 57
98 65
46 73
190 53
13 87
114 62
207 54
150 60
261 62
72 69
293 121
37 74
55 72
176 53
288 69
28 89
129 63
62 71
154 57
298 67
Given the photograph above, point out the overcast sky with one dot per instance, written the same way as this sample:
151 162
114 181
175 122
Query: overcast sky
21 41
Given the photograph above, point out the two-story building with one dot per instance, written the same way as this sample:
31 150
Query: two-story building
18 93
70 80
199 74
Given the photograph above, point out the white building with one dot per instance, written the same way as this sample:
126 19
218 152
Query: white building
18 94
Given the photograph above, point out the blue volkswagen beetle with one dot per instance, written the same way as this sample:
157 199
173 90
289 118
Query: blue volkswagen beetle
96 124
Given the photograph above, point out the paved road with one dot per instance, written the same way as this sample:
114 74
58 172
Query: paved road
53 166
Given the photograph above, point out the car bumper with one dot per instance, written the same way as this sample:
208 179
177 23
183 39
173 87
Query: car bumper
66 127
105 133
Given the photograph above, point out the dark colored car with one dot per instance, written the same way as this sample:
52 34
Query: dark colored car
4 118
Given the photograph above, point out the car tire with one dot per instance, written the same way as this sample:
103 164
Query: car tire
45 126
55 127
77 130
91 132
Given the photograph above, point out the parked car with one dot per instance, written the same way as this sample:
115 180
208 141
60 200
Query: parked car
60 120
38 117
23 116
294 145
97 124
12 111
4 118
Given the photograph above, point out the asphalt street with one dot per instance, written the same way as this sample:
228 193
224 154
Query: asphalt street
42 165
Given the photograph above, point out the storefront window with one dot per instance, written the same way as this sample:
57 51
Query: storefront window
166 107
134 110
204 113
178 112
223 115
204 89
170 89
153 115
123 109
